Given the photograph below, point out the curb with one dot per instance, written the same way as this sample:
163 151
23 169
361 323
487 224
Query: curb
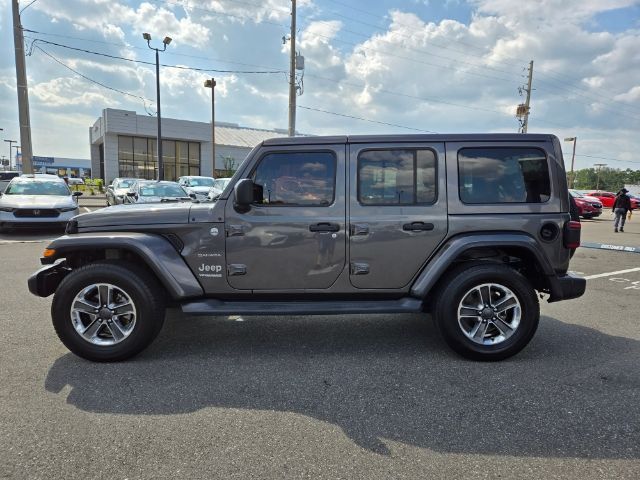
608 246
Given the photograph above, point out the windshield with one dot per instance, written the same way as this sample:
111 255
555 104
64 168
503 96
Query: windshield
38 188
200 182
124 183
161 190
575 194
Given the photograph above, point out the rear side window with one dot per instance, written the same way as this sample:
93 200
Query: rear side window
503 175
396 177
296 179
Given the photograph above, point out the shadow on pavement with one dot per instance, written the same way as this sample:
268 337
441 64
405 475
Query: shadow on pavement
574 392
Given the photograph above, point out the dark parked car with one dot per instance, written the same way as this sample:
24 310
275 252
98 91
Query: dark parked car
333 225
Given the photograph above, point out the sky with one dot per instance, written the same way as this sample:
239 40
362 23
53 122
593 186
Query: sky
404 66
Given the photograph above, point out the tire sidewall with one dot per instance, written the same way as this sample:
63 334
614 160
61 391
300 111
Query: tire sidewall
465 280
149 315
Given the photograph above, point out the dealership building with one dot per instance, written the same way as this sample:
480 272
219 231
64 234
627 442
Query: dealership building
123 144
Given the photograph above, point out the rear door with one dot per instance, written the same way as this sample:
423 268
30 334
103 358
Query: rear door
397 211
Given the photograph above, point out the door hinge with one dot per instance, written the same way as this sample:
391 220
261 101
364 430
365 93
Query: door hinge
359 268
234 230
235 269
359 229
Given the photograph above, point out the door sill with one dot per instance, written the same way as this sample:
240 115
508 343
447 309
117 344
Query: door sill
211 306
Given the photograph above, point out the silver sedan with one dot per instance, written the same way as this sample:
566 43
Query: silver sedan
31 201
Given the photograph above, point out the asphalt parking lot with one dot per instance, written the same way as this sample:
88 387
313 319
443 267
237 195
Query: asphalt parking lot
328 397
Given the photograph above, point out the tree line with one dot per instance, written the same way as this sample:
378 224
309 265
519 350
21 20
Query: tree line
610 179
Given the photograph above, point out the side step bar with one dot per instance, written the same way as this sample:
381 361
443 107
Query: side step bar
211 306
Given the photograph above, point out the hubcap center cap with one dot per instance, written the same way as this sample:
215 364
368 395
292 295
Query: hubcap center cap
487 313
105 313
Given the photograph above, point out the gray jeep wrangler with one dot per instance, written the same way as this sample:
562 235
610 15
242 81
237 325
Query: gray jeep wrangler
468 227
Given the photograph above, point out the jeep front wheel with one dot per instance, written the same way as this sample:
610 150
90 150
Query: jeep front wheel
107 311
487 311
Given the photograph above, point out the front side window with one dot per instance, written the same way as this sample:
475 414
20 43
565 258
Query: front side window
296 179
396 177
503 175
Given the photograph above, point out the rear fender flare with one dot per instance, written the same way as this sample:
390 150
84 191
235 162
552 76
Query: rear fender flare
457 246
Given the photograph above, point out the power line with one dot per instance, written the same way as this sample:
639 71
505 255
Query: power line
553 78
144 100
179 67
604 158
176 54
365 119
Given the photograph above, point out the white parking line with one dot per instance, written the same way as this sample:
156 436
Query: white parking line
609 274
86 209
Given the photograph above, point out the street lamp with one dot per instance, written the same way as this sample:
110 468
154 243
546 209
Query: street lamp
211 84
165 42
599 165
573 158
10 142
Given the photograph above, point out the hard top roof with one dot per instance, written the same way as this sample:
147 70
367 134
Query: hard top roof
417 138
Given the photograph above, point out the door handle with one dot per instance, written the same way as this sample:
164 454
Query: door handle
324 227
417 227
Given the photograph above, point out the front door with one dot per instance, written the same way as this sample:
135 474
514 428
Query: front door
294 235
398 211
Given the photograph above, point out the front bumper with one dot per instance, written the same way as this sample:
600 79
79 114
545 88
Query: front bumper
566 287
45 281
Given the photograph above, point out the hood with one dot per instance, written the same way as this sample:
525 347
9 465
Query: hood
120 191
138 214
37 201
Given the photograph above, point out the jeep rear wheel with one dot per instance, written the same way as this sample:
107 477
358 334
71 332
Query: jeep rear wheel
107 311
487 311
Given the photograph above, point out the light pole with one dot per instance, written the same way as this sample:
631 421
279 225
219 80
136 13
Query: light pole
165 42
211 84
573 158
10 142
599 165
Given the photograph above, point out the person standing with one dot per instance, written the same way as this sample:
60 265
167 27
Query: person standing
621 206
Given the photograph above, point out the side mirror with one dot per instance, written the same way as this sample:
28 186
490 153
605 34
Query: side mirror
77 194
192 195
243 193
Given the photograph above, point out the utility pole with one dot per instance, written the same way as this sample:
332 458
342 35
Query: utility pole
23 93
211 84
573 159
522 112
292 73
599 165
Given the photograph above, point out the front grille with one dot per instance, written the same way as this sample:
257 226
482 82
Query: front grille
36 213
596 205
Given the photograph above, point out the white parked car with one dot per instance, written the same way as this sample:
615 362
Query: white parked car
197 185
6 177
37 201
117 191
218 187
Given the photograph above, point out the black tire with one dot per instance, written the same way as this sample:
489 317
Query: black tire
142 288
587 217
462 280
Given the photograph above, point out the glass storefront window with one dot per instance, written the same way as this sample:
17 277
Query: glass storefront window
137 157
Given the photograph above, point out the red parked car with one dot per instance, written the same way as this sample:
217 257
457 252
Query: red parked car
588 206
607 199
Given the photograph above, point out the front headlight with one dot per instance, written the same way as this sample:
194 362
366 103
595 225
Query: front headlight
68 209
7 209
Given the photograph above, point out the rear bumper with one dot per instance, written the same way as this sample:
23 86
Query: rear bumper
46 280
566 287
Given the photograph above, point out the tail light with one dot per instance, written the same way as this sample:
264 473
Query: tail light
571 236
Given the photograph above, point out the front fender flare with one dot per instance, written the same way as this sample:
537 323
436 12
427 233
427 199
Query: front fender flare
157 252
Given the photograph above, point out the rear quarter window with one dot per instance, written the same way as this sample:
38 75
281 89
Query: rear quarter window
489 175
